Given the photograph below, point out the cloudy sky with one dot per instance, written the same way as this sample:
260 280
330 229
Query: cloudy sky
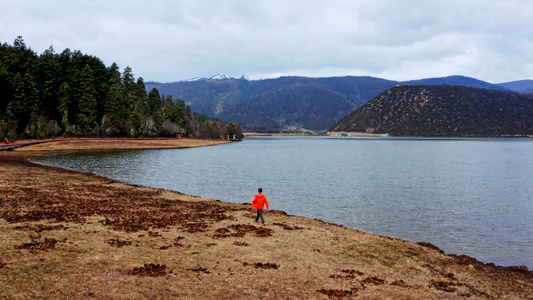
173 40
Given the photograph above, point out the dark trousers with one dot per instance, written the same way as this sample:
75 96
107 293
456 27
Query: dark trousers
260 215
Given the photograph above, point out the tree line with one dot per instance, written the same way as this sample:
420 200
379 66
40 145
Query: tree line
75 94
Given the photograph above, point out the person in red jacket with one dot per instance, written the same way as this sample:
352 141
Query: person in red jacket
259 202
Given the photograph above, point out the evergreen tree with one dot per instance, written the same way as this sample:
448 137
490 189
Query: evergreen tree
128 83
63 104
154 103
141 98
231 130
26 96
114 99
87 113
48 76
19 44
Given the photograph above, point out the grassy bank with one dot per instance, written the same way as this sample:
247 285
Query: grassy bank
70 235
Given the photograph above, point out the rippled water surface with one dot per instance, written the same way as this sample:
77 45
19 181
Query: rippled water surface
472 197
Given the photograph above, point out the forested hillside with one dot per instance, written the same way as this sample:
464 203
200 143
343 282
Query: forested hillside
280 103
75 94
443 110
299 107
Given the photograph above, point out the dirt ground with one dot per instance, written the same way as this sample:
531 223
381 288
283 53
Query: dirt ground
79 236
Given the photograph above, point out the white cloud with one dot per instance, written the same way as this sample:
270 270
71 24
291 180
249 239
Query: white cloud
167 40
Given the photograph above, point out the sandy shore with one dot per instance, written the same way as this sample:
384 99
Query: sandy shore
79 236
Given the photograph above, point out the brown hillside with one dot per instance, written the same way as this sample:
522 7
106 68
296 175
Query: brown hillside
443 110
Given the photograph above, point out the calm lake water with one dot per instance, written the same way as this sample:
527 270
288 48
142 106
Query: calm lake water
472 197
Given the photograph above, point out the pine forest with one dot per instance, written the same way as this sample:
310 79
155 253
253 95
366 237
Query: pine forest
72 94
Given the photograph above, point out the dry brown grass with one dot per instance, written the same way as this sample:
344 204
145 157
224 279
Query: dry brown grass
80 236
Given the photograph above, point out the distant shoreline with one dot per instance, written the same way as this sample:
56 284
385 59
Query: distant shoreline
329 133
379 135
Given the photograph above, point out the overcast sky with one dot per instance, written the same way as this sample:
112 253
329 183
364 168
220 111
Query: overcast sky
173 40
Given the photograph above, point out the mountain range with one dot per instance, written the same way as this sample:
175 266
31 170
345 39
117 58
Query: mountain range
296 103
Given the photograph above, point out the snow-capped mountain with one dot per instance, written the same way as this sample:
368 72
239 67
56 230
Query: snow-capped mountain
219 76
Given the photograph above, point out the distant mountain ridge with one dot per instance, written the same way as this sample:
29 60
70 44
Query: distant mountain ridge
520 86
290 102
443 110
456 80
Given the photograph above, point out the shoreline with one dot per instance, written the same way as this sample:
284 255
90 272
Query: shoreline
362 135
228 247
466 137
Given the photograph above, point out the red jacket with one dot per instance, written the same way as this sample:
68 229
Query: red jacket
259 201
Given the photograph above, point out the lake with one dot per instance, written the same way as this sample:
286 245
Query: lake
466 196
